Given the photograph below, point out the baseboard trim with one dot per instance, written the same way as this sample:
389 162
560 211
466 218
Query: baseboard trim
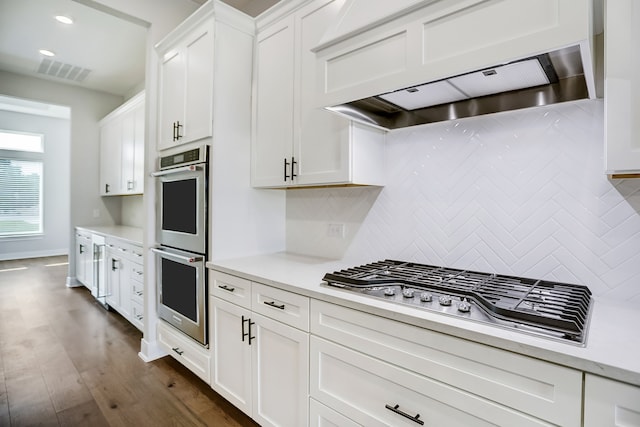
150 350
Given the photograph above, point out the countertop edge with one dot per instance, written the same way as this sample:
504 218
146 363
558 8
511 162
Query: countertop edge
133 235
585 358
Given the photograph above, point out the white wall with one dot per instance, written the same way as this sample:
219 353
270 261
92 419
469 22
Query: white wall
56 158
520 193
87 108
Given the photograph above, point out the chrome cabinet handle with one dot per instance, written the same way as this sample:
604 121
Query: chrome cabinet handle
293 167
274 305
227 288
106 188
81 249
177 350
113 264
129 185
404 414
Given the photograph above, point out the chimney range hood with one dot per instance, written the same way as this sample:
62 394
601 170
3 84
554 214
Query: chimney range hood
535 81
394 64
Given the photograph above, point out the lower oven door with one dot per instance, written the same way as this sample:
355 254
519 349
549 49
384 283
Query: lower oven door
182 291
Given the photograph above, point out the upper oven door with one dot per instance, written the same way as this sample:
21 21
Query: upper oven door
182 208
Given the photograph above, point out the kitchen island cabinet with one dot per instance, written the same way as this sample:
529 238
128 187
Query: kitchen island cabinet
264 369
294 143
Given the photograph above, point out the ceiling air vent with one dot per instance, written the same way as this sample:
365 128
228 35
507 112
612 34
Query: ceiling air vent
63 71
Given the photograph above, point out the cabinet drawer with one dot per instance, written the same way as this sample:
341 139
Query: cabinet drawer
125 249
193 356
375 393
137 291
230 288
286 307
137 314
540 389
323 416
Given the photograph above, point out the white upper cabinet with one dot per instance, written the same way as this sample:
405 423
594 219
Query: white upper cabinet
294 143
622 86
273 106
369 51
186 87
122 149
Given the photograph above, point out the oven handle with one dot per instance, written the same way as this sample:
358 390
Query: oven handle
189 259
190 168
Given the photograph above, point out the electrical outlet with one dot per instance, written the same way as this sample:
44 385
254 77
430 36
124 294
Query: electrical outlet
335 230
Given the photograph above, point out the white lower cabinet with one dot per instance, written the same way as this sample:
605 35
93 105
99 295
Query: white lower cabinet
610 403
84 258
259 364
185 350
124 280
378 372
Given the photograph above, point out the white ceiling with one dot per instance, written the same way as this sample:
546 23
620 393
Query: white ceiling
111 48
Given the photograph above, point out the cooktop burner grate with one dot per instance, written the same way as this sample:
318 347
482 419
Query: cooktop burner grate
560 308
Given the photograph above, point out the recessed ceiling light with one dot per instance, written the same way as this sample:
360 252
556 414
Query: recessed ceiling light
64 19
46 52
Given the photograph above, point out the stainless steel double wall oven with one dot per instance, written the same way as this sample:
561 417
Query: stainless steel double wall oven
182 233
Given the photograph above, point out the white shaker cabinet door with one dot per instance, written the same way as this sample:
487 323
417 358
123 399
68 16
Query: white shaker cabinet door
231 361
622 86
610 403
280 364
271 162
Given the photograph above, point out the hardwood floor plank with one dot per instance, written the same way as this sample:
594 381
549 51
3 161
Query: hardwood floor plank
5 420
66 361
85 414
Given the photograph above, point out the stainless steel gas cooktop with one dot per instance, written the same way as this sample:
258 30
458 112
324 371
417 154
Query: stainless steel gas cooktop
550 309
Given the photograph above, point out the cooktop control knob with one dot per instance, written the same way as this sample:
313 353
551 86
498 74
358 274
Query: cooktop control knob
444 300
426 297
389 292
408 293
464 306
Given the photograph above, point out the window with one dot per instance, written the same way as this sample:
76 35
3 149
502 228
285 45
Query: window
21 164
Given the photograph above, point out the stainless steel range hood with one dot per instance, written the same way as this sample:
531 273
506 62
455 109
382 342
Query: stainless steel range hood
549 78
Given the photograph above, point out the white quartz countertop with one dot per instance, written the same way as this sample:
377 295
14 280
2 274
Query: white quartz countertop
130 234
612 349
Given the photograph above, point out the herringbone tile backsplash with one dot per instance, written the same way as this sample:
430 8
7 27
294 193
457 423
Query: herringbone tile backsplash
519 193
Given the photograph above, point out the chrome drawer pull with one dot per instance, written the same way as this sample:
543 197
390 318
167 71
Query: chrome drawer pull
226 288
404 414
177 350
274 305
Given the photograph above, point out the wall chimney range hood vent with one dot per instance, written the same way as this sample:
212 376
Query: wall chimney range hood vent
539 80
394 64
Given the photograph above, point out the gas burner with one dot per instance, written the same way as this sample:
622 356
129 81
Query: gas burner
551 309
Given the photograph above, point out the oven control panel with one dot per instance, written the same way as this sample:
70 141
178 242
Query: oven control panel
185 158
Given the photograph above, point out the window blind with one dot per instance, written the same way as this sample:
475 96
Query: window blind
20 197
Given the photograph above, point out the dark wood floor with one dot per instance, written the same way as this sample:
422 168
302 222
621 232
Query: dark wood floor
66 361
